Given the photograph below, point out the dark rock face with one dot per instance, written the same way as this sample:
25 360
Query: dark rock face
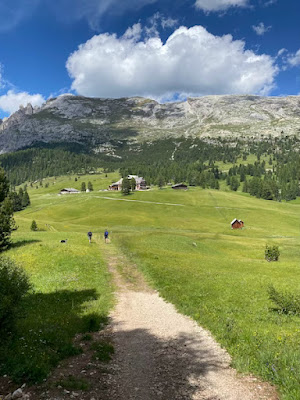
96 122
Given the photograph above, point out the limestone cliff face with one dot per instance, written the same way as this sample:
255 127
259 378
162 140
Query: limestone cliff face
98 122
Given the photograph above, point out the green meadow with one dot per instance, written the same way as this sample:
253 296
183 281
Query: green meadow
186 249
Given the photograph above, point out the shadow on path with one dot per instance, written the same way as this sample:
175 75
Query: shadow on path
161 368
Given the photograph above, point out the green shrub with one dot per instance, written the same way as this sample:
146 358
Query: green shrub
73 383
14 284
103 350
33 226
272 253
287 303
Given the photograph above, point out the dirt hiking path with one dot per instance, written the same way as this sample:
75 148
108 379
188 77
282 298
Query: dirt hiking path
163 355
159 353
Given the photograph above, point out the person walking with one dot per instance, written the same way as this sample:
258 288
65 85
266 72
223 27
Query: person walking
89 234
106 236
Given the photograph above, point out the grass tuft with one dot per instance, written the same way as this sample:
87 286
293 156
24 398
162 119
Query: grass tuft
286 302
103 351
73 383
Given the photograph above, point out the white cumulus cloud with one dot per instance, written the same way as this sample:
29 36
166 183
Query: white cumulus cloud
134 32
219 5
11 101
294 59
156 21
281 52
261 29
168 22
192 61
1 77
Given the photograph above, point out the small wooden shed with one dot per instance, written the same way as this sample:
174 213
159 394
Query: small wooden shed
237 224
181 186
69 191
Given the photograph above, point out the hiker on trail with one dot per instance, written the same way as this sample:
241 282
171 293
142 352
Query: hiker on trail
106 236
90 236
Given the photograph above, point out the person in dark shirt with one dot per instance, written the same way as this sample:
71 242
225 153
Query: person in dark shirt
106 236
89 234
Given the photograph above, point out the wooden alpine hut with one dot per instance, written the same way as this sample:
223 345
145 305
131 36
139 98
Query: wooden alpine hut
237 224
69 191
179 186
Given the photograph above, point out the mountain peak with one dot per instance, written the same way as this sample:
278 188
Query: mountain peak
94 121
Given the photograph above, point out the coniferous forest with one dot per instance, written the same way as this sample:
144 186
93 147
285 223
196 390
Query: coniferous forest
267 168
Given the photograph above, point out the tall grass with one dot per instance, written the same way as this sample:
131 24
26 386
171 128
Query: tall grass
72 294
189 253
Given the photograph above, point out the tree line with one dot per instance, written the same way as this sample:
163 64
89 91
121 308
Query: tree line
274 174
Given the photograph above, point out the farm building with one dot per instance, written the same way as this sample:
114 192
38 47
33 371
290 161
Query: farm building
116 185
180 186
140 183
69 191
237 224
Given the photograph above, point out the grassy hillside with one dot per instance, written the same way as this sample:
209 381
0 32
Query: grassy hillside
186 249
72 290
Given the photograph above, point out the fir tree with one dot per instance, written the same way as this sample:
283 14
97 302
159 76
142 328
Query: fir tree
126 186
160 181
245 186
25 199
234 184
6 212
132 184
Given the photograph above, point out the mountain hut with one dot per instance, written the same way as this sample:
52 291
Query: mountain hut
140 183
237 224
69 191
181 186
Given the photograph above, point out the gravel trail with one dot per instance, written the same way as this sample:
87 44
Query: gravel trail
163 355
159 353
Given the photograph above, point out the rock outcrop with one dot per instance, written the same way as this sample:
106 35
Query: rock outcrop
95 122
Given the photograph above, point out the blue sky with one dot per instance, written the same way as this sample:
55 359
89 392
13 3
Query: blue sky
164 49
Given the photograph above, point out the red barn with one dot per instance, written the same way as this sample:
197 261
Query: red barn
237 224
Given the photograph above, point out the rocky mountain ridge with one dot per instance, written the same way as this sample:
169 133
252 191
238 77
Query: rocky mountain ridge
97 123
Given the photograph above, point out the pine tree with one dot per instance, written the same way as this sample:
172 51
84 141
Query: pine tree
25 199
266 191
132 184
83 186
4 185
6 212
126 186
202 180
242 175
245 186
160 181
90 186
15 201
234 184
